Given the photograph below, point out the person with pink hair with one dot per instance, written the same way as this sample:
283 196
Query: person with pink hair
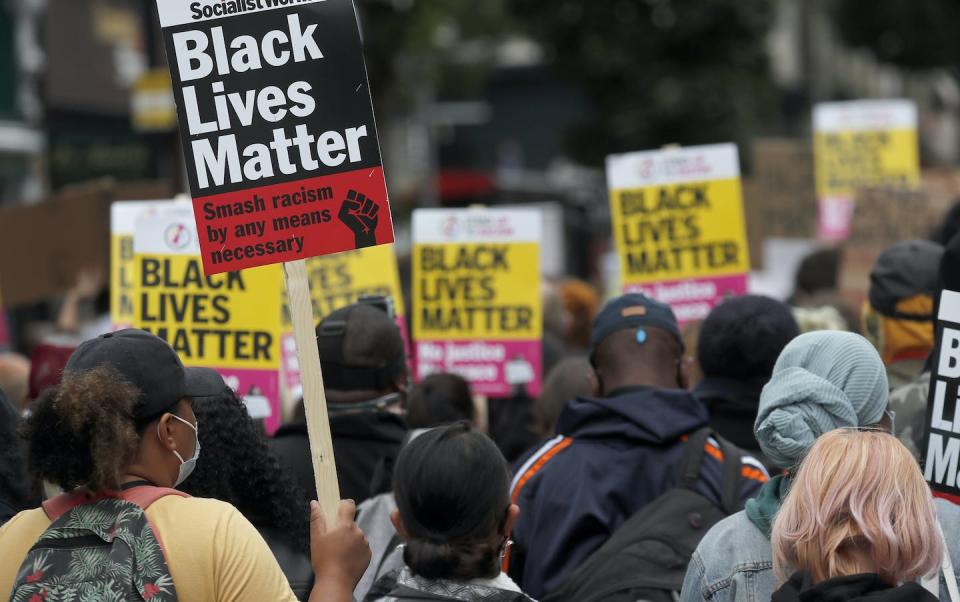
822 381
858 524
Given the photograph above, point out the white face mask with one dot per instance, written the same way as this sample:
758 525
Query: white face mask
186 466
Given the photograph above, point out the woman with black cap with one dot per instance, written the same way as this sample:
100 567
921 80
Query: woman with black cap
117 434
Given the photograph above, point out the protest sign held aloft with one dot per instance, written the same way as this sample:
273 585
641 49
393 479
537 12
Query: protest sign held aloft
278 129
941 457
476 295
282 155
229 322
857 144
678 224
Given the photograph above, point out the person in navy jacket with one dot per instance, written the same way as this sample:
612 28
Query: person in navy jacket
614 452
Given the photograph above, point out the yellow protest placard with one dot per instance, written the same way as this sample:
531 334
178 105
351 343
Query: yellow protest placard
477 291
340 280
123 216
476 294
679 227
216 321
229 322
864 143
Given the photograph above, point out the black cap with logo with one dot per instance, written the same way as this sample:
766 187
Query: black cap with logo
632 311
149 364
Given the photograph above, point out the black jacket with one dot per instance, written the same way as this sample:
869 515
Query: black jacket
611 457
295 564
365 444
732 405
14 482
866 588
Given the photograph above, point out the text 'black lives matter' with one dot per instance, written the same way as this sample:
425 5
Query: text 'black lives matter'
941 458
275 115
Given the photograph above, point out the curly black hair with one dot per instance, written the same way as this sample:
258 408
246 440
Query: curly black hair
14 484
82 432
237 466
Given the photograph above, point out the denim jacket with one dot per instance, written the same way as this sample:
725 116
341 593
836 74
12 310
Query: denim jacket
734 561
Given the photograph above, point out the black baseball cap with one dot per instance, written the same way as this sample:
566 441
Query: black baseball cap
147 362
360 348
907 269
633 311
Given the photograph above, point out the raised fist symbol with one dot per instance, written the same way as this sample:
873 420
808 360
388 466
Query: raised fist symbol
361 215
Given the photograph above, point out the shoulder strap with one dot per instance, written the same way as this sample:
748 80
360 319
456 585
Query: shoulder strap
145 495
56 507
692 458
142 496
730 487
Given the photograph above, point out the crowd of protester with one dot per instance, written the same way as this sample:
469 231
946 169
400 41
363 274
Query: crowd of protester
768 452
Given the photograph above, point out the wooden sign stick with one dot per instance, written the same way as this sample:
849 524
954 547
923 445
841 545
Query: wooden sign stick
314 397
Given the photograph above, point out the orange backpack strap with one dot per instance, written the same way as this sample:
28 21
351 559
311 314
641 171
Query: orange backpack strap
144 495
56 507
141 495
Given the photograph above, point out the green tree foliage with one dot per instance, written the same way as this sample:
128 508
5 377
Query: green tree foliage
412 39
658 71
916 35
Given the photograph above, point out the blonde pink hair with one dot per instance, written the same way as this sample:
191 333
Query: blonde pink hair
858 504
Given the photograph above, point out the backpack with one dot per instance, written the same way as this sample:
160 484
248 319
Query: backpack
101 549
647 557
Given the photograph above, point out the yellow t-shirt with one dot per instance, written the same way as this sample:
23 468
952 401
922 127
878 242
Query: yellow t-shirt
214 554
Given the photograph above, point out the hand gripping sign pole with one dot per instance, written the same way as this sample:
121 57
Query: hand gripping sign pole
314 397
282 154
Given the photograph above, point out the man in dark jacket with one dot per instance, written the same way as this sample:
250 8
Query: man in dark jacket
740 342
365 374
615 452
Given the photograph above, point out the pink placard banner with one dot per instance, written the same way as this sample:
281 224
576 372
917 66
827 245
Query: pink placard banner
692 300
494 368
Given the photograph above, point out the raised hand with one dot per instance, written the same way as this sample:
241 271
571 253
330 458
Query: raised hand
339 553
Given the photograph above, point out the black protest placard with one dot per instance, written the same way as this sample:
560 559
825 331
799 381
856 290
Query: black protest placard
278 129
941 449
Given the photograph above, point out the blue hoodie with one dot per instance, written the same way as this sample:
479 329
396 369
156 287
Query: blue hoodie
611 457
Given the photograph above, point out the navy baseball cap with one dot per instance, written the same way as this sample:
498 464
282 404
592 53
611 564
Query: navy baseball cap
632 311
147 362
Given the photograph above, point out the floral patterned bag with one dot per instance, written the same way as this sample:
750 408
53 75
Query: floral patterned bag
97 549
